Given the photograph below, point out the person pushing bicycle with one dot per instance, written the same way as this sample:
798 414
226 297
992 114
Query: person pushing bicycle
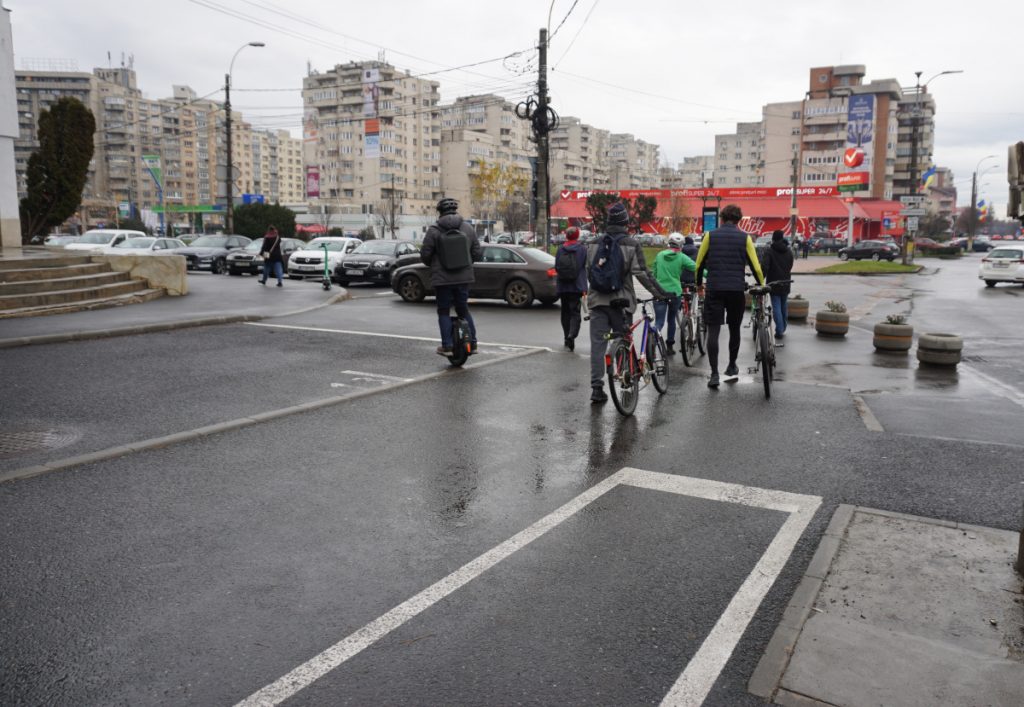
725 253
612 262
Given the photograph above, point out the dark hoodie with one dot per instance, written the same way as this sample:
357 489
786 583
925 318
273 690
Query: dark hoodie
777 264
428 252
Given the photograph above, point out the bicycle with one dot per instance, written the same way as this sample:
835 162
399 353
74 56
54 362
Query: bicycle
628 373
693 330
764 338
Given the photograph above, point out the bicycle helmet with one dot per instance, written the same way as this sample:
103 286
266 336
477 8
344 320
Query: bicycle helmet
447 205
676 241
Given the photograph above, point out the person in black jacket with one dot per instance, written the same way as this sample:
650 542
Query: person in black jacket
725 253
571 292
451 286
273 258
777 263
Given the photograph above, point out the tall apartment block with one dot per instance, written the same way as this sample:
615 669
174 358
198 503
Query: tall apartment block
479 130
632 163
372 136
738 157
578 156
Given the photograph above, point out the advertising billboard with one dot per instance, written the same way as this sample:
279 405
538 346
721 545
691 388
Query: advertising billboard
371 138
313 182
860 129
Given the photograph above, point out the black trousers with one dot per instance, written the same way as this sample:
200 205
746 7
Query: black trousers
571 317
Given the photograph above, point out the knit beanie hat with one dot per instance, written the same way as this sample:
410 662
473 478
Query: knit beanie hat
777 235
617 215
572 233
688 240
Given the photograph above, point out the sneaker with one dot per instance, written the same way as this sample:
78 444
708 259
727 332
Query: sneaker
570 344
732 371
444 350
713 381
280 284
597 395
671 349
263 282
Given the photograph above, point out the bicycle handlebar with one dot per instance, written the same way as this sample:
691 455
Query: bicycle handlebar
766 287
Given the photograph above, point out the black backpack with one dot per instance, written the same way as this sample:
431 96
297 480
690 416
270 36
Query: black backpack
567 264
453 249
606 269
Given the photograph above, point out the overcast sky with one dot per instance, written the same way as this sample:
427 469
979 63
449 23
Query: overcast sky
670 72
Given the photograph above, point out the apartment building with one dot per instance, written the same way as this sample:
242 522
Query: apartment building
941 193
692 173
578 156
916 105
738 157
477 131
632 163
372 135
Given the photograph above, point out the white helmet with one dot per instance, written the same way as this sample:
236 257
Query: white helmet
676 240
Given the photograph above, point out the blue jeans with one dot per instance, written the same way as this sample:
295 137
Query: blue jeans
780 312
276 267
671 307
447 295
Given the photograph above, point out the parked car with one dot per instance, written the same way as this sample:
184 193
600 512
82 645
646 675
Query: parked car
145 245
925 243
762 242
515 274
1004 263
99 239
248 260
211 252
59 240
982 244
960 243
505 238
374 261
309 262
827 244
875 250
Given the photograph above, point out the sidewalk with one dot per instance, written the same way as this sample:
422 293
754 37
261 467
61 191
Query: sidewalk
901 610
212 299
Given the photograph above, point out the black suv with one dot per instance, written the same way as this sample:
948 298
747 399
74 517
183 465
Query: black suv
827 244
374 261
875 250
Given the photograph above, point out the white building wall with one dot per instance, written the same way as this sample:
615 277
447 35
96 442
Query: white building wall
10 225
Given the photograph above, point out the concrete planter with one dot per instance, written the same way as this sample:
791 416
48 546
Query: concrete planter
893 337
832 323
797 309
939 349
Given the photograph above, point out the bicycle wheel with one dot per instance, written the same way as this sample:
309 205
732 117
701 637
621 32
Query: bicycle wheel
766 360
688 343
657 358
702 329
623 377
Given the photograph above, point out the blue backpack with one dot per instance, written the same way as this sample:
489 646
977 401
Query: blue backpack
606 269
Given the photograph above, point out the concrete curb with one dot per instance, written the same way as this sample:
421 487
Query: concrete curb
764 682
162 326
239 423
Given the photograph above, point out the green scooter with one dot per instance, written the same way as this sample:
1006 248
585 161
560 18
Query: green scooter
327 268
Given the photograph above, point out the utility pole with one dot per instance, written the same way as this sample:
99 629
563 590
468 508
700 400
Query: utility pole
543 207
229 211
908 235
972 213
792 204
392 206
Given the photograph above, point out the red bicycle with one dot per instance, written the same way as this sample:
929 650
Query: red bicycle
628 372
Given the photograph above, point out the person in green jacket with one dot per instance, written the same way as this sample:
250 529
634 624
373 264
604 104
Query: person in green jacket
668 265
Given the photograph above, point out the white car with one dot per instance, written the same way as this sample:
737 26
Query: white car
145 245
309 262
1004 263
100 239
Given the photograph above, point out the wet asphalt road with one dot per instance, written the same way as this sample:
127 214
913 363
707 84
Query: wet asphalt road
201 572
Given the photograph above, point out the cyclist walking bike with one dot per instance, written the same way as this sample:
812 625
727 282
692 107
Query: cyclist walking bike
764 339
631 367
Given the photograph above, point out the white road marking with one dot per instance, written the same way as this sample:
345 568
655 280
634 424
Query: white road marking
375 375
432 339
868 417
995 385
702 670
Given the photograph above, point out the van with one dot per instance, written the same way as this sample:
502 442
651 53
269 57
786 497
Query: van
99 239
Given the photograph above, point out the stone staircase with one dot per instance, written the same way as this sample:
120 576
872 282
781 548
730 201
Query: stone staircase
35 285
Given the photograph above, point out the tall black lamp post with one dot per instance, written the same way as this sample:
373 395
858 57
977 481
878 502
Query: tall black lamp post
229 214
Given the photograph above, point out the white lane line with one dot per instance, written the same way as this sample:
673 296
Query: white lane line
703 669
866 416
1001 389
432 339
376 375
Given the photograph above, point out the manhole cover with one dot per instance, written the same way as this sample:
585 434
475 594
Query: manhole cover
25 441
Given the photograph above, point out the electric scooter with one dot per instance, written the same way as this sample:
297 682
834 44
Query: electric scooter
327 269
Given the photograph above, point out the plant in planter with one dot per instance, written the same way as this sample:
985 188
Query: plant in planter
797 308
894 335
833 320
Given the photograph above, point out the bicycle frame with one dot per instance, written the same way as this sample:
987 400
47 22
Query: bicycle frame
645 320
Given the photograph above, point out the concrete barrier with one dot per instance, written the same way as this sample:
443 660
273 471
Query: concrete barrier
159 271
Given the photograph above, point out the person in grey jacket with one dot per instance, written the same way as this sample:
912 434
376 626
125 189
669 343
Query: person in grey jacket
614 311
450 286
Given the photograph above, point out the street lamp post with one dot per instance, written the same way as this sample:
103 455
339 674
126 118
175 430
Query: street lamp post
230 171
915 119
974 201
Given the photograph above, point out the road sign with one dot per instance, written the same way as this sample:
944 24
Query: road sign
913 199
913 212
912 223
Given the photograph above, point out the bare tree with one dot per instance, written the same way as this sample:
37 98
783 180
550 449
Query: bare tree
516 215
388 211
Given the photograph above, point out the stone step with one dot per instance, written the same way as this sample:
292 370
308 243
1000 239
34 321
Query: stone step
76 282
52 273
137 297
41 299
43 261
